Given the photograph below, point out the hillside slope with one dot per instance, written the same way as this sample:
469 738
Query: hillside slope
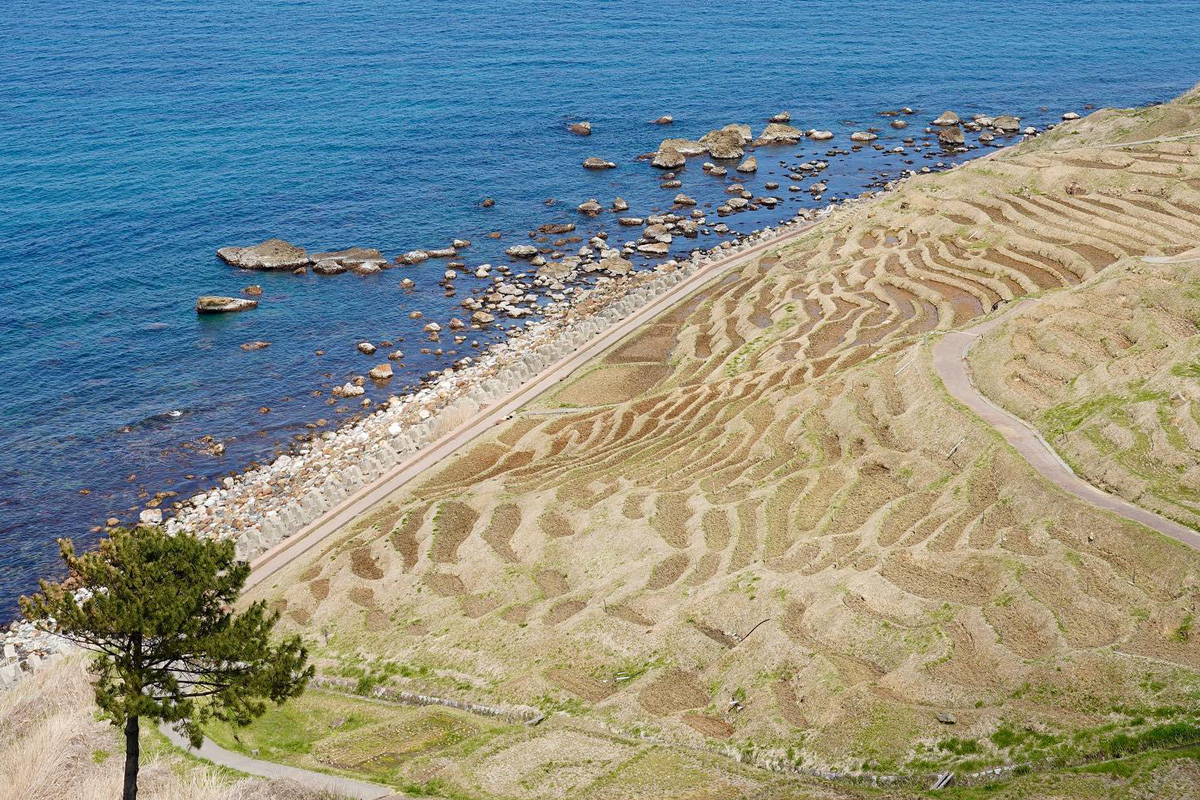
776 457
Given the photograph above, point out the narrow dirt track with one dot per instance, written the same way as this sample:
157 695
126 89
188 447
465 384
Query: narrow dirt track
337 785
950 361
305 539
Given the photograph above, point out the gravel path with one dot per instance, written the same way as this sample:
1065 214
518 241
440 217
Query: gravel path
950 361
344 787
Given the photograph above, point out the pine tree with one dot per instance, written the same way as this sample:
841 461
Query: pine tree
158 613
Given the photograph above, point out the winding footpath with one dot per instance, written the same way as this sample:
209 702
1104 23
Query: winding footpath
335 784
950 361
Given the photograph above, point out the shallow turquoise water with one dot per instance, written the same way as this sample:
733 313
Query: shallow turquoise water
138 137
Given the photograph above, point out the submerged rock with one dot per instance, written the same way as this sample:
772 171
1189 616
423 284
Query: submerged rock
271 254
219 304
581 128
665 119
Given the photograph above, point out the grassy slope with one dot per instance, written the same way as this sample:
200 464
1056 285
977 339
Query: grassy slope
54 746
778 450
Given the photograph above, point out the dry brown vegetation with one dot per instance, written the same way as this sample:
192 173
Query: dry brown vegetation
53 747
1111 375
779 449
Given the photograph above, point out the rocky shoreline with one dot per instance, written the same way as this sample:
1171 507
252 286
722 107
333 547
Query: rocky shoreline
266 504
263 506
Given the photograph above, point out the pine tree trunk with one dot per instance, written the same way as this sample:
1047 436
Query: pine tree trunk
131 758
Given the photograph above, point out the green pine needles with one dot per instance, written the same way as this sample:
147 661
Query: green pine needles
168 644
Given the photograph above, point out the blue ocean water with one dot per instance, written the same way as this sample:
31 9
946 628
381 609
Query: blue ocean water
138 137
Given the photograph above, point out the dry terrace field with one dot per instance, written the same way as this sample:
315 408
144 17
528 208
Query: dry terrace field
779 451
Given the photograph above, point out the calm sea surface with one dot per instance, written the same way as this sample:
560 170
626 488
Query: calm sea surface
138 137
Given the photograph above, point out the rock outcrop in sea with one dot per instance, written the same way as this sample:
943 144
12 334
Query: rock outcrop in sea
272 254
219 304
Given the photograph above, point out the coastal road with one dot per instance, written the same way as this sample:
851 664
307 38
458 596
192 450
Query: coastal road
950 361
335 784
308 537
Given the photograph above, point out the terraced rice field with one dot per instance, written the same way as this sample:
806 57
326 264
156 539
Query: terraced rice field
1111 376
777 456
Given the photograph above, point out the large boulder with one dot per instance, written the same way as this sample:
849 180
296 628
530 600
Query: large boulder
350 256
685 147
668 158
590 207
725 143
412 257
356 259
271 254
616 265
749 165
742 130
863 136
555 270
652 249
1007 123
951 136
522 251
597 163
218 304
820 136
778 133
947 119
